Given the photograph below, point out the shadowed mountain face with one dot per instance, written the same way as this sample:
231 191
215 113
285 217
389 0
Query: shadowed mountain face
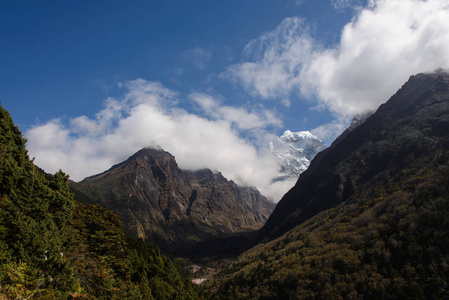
368 219
411 128
174 208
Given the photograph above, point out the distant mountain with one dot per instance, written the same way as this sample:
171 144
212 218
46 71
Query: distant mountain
368 219
294 151
174 208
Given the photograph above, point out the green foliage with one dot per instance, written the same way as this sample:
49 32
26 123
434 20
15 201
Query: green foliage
165 280
52 247
110 267
97 254
17 282
388 242
35 208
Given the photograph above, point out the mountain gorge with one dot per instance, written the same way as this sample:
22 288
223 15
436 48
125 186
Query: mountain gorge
368 219
171 207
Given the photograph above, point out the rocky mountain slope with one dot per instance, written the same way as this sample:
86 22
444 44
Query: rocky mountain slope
369 217
294 151
171 207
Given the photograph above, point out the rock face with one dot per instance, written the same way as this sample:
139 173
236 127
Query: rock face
159 202
294 151
406 130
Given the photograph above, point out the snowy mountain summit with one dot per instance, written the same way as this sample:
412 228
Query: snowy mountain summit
295 150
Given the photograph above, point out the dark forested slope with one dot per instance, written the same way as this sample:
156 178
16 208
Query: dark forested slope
410 129
52 247
369 219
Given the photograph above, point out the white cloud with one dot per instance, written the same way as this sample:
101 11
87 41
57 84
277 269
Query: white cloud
239 116
280 56
330 130
383 45
148 115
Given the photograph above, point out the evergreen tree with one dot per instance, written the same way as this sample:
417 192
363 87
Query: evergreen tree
52 247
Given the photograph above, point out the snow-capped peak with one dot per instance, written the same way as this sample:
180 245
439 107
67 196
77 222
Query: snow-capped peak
297 136
294 151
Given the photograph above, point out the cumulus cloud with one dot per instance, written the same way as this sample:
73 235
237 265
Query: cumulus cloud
330 130
148 115
279 57
385 43
241 117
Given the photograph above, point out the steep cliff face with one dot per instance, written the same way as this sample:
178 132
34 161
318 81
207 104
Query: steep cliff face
218 201
405 130
158 201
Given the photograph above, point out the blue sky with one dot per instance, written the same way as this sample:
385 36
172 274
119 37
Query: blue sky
91 82
66 57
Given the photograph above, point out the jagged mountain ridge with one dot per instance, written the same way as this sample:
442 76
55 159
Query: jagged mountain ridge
174 208
294 151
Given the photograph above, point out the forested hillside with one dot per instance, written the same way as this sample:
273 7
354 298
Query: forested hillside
52 247
369 219
389 244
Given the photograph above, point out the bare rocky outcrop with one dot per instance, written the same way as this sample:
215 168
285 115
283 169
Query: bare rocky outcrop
174 208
